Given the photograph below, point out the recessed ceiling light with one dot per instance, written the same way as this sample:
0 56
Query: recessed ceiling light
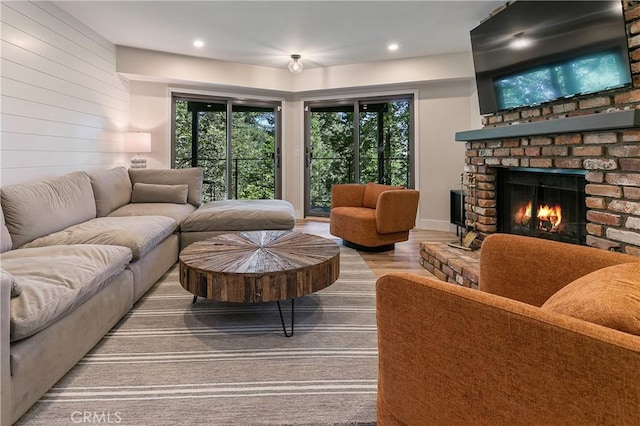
198 43
393 46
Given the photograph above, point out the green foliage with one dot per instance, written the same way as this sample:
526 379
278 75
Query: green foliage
333 155
253 141
252 157
394 149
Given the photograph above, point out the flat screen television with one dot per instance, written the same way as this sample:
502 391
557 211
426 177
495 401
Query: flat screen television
534 52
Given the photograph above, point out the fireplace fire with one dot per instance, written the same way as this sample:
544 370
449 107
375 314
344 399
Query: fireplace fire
549 218
542 204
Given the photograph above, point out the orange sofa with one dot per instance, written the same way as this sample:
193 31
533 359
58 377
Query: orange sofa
538 344
372 216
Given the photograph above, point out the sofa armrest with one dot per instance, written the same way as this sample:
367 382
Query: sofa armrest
532 269
396 210
5 354
452 355
347 195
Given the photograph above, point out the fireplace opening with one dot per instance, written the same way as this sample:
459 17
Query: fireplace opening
543 204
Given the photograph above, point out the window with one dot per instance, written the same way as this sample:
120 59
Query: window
364 140
235 143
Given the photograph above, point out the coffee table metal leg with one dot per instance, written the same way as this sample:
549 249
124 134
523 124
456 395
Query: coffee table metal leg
284 329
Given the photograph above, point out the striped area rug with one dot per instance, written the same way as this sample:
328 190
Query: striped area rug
169 362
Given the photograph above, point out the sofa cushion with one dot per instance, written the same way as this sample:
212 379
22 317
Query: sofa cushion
33 210
177 212
191 177
372 191
5 236
154 193
55 280
8 279
139 233
609 297
241 215
111 189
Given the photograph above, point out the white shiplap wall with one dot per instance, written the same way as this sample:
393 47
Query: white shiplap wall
63 107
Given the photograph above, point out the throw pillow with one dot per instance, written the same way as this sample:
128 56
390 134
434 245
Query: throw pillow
191 177
153 193
609 297
7 278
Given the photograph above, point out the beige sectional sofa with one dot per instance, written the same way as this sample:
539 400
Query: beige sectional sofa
79 250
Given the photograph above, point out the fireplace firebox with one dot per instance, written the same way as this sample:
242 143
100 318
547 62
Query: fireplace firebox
542 203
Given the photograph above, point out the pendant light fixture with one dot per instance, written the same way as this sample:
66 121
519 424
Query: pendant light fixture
295 65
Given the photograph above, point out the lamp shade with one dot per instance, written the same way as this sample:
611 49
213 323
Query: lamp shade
137 141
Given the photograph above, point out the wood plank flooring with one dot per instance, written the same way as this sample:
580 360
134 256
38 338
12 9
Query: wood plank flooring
405 257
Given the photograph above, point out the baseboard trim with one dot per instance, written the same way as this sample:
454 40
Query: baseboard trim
436 225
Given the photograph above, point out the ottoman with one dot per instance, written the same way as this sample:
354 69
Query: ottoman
229 216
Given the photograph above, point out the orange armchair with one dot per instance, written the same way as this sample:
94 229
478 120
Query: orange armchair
372 217
450 355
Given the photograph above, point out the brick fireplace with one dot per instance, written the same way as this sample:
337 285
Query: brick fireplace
598 135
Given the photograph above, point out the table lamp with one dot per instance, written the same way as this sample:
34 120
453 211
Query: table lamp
138 142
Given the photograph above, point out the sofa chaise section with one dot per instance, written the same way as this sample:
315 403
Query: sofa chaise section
231 216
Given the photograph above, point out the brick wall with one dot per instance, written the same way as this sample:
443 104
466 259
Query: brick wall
611 159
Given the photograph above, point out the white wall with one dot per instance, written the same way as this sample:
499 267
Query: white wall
138 64
444 110
150 109
63 107
142 64
447 67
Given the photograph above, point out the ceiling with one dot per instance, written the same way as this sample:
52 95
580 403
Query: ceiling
325 33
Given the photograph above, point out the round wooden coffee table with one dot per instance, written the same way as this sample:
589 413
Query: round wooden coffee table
259 266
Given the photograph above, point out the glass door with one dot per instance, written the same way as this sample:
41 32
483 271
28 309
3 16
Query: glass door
330 157
200 140
255 157
375 147
236 144
385 142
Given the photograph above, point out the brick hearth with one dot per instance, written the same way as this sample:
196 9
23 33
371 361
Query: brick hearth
450 264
